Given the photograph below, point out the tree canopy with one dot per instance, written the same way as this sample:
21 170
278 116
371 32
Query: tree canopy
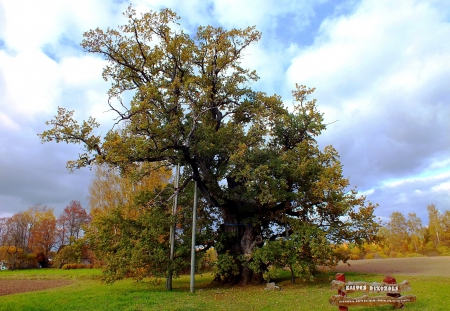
256 160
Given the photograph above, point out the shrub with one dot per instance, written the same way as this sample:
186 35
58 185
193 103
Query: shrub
70 266
208 260
393 254
272 273
444 250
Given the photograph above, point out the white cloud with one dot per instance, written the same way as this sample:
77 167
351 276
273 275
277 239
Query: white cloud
31 24
439 164
381 72
418 180
7 123
82 72
30 82
443 187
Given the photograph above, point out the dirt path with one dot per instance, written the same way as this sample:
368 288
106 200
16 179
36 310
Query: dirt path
8 287
430 266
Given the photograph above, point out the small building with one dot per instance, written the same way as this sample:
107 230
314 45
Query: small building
3 266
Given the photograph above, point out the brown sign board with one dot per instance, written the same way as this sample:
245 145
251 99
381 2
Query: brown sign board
366 287
389 286
365 300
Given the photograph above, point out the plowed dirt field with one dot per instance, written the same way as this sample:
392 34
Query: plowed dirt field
429 266
8 287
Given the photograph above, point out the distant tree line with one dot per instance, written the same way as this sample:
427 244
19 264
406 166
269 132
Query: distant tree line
406 237
29 238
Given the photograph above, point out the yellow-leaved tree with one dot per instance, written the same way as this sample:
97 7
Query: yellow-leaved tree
128 232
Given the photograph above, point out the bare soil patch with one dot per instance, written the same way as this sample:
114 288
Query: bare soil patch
8 287
426 266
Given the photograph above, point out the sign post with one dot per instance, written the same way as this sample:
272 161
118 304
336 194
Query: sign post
172 230
194 226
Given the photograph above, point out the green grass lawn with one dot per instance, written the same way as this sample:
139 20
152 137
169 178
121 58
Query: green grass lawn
88 293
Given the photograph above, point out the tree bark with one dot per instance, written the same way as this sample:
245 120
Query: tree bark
292 275
239 241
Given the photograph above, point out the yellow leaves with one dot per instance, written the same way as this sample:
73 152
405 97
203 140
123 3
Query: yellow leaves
240 151
301 93
162 238
110 189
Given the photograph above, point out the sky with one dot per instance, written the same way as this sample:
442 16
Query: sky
381 70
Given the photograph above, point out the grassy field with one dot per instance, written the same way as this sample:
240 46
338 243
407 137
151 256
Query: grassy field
86 292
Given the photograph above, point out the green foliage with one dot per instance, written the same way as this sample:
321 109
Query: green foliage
72 253
225 266
302 252
131 246
129 233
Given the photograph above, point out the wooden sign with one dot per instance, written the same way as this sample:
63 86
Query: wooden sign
374 287
371 301
388 286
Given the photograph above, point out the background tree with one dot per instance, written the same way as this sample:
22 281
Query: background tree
415 231
71 222
44 239
397 233
446 228
3 229
15 238
127 232
256 161
111 188
435 225
28 233
42 232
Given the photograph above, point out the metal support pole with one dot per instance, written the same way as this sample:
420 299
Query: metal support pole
194 227
172 230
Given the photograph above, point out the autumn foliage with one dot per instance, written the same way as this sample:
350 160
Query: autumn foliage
406 237
30 237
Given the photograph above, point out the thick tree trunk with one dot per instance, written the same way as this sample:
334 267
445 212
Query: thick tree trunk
239 241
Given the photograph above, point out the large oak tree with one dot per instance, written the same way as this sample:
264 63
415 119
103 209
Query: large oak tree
256 160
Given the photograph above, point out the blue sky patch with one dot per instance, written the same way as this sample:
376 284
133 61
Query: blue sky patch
51 52
65 47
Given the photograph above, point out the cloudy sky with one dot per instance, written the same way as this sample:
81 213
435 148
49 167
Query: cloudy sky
381 69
